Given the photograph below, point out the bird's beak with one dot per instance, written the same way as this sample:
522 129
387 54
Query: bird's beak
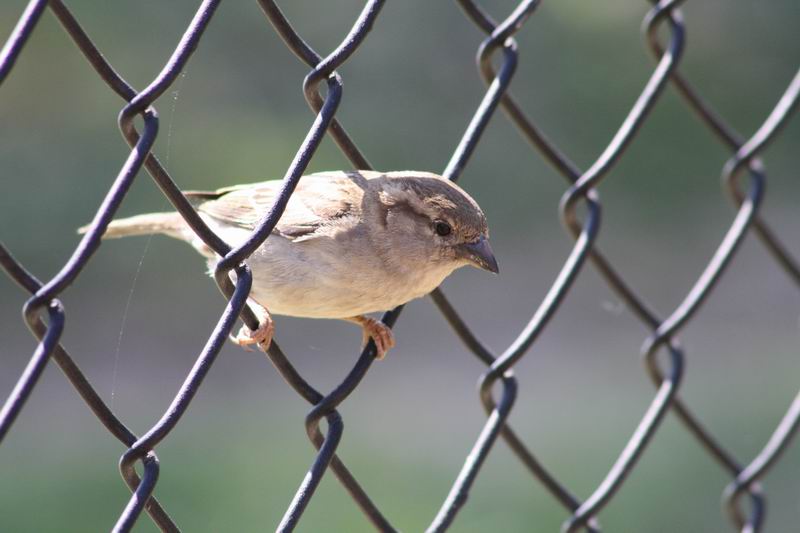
480 254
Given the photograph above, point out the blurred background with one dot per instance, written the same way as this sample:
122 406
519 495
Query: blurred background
143 308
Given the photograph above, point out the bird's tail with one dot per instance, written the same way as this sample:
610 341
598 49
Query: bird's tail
171 224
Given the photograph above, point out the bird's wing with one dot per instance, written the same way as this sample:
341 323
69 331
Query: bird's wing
319 202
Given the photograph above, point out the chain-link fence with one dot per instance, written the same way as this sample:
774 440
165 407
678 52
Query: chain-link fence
580 211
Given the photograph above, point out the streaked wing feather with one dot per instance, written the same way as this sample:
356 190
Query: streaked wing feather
317 201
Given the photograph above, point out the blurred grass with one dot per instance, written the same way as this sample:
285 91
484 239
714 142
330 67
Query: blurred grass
238 115
238 474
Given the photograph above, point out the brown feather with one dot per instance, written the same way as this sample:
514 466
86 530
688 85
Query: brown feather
319 200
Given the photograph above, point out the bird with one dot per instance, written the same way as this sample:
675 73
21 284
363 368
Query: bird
348 244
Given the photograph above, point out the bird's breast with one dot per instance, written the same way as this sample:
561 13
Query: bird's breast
322 278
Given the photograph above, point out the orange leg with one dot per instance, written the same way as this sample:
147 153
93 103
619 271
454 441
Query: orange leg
261 336
378 331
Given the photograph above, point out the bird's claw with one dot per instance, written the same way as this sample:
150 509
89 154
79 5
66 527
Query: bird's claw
378 332
261 336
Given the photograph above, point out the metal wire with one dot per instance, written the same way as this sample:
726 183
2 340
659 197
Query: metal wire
45 315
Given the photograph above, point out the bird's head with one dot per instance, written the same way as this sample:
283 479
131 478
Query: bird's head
434 222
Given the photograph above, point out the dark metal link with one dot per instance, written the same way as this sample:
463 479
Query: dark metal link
19 36
570 171
498 387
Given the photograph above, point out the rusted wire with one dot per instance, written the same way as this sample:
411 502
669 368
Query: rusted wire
45 315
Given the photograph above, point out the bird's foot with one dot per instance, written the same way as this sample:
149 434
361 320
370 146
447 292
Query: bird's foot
261 336
378 331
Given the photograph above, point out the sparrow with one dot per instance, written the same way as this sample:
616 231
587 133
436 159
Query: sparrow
348 244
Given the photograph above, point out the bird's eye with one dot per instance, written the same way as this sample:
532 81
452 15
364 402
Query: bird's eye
442 228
